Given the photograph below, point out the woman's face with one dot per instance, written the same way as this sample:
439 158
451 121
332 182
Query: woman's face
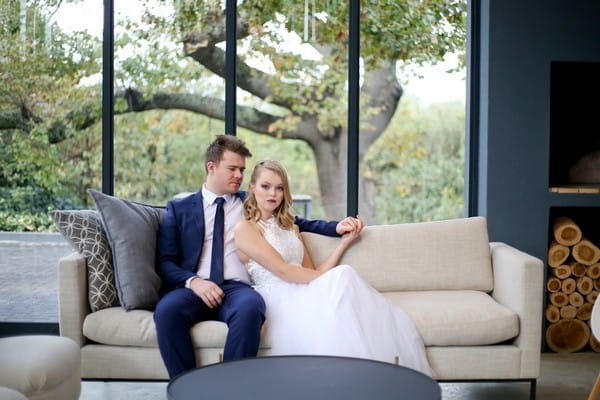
268 191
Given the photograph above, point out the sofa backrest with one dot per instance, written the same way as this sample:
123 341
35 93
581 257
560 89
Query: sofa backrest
440 255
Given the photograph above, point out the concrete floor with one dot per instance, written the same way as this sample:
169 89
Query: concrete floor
562 377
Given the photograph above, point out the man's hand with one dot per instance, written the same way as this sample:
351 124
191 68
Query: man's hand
210 293
349 225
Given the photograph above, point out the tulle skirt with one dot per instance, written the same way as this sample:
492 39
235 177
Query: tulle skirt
340 314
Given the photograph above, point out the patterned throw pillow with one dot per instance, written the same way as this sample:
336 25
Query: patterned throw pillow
83 230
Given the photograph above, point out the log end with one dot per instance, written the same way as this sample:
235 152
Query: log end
567 336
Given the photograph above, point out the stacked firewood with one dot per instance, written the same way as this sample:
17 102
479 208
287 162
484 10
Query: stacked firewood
573 287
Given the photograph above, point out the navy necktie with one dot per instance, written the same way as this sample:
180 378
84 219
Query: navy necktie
218 246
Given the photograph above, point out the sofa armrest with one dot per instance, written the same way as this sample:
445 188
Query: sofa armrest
518 285
72 296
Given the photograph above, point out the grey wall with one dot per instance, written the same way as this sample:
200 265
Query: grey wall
519 39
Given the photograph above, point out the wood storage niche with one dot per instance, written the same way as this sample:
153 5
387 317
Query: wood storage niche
572 285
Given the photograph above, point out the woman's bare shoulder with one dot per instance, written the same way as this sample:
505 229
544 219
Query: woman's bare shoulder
246 227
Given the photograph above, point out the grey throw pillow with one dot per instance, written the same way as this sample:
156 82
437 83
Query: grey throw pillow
83 230
131 229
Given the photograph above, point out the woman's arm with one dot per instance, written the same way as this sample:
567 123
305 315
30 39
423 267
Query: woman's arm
250 242
334 257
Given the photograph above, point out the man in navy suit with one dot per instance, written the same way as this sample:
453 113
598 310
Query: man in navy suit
184 263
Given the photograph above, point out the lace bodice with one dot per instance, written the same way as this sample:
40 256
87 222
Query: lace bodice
286 243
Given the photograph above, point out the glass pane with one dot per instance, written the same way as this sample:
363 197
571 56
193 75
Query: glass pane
293 98
49 141
169 105
413 111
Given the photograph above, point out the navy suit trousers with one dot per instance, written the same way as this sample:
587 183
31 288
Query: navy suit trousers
243 309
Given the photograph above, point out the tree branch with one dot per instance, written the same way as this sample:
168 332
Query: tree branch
247 117
200 48
215 30
57 129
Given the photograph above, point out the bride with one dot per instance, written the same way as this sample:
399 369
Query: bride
326 309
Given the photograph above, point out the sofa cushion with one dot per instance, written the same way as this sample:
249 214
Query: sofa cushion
131 229
439 255
83 230
457 317
115 326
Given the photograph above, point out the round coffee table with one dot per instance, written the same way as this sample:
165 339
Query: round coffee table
301 378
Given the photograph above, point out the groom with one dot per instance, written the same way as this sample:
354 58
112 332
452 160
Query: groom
197 260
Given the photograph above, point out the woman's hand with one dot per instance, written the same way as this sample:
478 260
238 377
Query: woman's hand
356 228
349 237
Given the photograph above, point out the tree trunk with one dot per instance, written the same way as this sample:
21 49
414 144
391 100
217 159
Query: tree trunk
331 157
331 164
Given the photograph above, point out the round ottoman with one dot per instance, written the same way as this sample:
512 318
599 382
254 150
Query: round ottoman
10 394
41 366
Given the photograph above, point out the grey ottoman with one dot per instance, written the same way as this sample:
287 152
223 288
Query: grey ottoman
10 394
41 366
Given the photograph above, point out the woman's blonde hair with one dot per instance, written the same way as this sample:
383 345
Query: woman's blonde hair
282 214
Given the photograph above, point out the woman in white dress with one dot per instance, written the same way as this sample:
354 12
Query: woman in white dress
326 309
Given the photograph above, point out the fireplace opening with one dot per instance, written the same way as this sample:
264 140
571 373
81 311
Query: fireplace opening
575 127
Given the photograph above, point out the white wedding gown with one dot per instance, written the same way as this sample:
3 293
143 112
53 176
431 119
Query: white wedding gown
335 314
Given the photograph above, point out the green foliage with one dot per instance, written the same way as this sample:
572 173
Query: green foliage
418 164
26 208
54 155
41 87
161 154
409 31
25 222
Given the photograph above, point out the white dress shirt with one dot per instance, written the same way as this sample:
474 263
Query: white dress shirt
233 268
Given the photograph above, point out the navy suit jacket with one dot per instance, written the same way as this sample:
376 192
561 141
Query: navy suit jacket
181 237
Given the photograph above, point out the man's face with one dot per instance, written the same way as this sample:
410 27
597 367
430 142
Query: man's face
227 175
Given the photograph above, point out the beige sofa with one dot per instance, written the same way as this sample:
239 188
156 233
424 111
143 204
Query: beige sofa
477 305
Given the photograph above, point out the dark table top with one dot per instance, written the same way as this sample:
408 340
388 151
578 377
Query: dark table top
303 378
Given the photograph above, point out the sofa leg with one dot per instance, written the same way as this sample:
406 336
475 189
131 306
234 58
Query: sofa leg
532 389
220 357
